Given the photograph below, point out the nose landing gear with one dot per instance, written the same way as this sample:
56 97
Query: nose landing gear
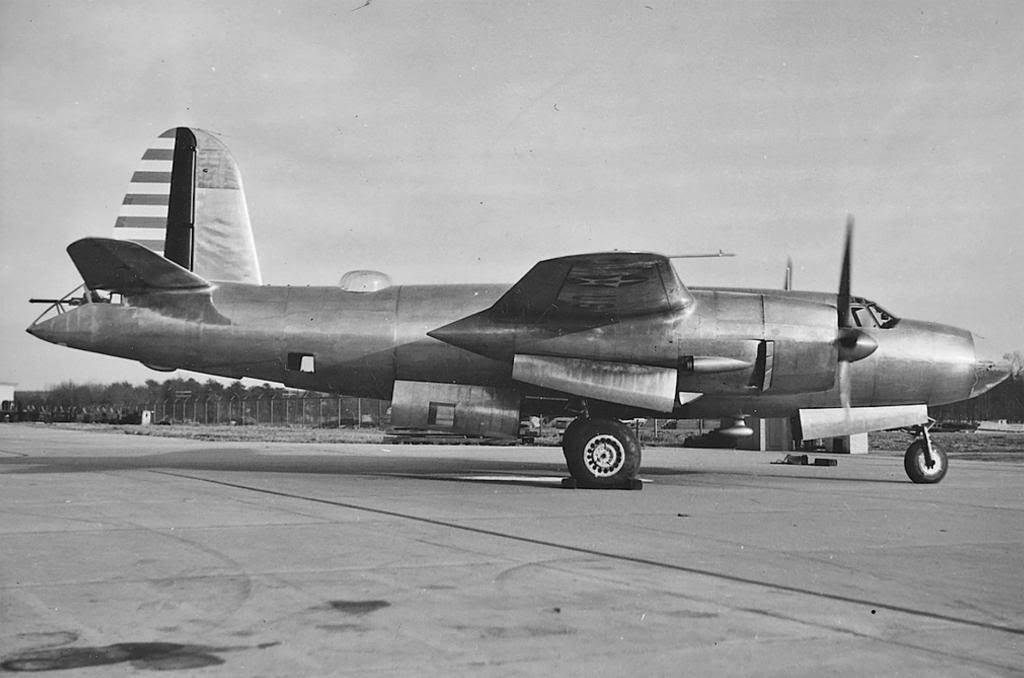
923 462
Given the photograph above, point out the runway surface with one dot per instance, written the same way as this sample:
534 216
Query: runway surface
124 553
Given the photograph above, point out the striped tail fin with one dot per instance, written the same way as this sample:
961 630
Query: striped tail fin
186 203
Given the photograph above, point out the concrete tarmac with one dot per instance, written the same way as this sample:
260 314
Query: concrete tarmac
122 553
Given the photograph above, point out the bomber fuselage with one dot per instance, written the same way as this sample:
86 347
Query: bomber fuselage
777 347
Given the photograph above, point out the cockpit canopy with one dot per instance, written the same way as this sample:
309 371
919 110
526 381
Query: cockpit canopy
868 314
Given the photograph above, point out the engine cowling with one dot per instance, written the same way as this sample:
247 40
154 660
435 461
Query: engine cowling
800 351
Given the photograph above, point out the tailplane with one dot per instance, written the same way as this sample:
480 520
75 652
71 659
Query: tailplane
152 281
186 203
127 268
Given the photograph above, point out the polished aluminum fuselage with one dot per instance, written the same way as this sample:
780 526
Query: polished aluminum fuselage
363 342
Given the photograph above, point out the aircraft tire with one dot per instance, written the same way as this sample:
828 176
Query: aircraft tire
915 461
570 433
602 453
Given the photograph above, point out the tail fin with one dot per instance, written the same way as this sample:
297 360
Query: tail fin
186 202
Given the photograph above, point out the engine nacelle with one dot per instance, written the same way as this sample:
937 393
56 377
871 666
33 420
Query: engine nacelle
799 353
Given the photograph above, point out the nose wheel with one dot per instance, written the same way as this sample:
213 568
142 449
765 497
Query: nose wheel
601 454
923 462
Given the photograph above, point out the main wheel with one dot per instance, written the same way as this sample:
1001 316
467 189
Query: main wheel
569 435
602 453
918 466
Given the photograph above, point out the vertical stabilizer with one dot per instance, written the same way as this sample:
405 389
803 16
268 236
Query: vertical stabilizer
186 202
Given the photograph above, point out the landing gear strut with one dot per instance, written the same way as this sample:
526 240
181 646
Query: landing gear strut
601 454
924 462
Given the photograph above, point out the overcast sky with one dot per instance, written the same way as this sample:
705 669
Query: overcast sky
463 142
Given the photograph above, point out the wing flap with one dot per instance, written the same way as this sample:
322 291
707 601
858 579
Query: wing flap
831 422
643 386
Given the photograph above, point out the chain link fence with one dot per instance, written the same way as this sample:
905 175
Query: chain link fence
309 410
278 409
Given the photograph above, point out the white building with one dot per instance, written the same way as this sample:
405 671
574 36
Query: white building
7 395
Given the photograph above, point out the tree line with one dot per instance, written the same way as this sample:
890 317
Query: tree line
1005 401
125 394
173 399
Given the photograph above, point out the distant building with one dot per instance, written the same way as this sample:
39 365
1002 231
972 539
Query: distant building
7 396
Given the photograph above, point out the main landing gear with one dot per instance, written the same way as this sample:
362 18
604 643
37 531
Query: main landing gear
924 462
601 454
605 454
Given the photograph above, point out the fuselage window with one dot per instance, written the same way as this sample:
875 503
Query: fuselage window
441 414
301 362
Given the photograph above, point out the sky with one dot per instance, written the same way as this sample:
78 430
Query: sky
465 141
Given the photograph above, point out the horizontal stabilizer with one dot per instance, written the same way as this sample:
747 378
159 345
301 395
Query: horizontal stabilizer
128 268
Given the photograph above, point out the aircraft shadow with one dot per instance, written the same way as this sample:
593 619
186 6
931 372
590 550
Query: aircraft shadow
246 461
656 471
439 468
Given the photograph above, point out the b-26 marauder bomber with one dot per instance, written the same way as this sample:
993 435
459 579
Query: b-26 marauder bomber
603 336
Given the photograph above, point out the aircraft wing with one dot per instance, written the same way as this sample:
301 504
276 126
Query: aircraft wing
598 288
128 268
543 326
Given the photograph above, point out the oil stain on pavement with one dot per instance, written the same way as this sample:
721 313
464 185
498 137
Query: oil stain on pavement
153 656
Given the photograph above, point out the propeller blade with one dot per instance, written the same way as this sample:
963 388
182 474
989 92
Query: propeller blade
844 385
852 343
843 300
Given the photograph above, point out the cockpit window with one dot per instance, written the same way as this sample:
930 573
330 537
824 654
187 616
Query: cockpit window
885 319
862 317
869 314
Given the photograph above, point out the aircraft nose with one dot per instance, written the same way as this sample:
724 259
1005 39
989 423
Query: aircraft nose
990 369
51 330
